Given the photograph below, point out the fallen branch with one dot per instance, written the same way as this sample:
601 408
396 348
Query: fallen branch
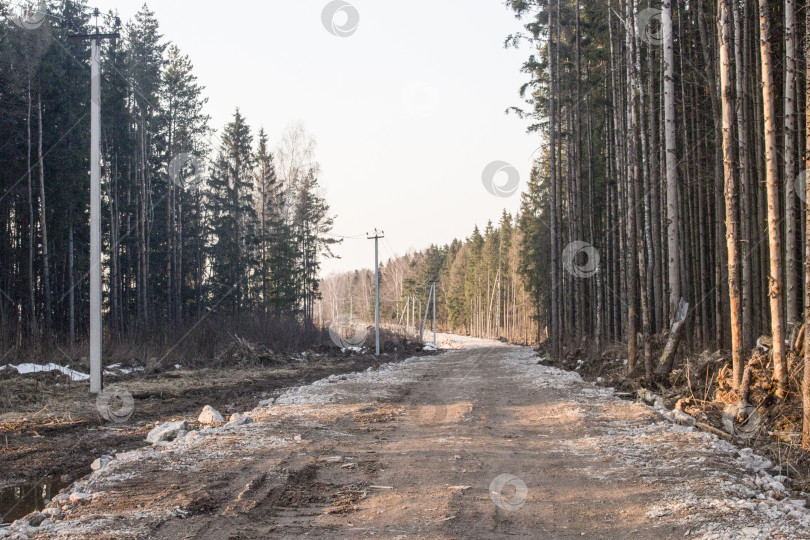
714 430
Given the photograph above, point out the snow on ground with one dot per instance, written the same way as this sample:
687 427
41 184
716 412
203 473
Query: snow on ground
112 370
375 384
25 369
453 341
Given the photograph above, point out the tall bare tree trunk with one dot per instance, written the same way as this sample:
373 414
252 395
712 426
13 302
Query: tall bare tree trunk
639 182
655 195
806 375
555 244
71 286
744 243
721 252
46 276
31 230
673 212
792 285
772 184
731 189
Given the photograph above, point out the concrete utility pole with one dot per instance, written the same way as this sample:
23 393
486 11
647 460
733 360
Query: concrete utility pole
424 321
376 237
434 310
95 200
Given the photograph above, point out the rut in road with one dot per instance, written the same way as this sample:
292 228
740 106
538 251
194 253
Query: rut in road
414 450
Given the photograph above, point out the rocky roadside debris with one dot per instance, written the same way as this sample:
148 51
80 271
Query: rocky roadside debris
764 489
59 508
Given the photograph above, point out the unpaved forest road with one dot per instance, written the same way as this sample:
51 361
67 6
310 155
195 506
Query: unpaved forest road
594 466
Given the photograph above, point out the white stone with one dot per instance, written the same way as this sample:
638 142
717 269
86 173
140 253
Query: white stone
101 462
240 421
79 497
166 432
53 512
210 416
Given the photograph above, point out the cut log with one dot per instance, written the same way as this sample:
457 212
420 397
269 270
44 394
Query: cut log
667 359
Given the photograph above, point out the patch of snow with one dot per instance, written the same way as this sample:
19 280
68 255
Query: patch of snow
453 341
377 384
127 371
27 368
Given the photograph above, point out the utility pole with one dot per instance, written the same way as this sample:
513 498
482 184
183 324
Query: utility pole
427 308
95 199
433 287
376 237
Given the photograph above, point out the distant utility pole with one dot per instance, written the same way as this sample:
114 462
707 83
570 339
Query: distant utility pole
432 295
433 286
95 199
376 237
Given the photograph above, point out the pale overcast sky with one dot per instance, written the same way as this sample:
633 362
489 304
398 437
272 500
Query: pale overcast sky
407 111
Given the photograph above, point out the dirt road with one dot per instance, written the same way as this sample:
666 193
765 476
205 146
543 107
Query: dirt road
480 442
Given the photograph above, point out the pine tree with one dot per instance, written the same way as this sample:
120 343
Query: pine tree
233 216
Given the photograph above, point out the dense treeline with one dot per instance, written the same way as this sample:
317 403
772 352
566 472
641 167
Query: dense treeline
479 291
194 222
676 139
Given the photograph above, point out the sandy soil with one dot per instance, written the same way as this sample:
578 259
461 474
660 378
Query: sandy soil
51 430
420 449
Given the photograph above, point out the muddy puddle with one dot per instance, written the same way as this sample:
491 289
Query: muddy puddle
19 501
